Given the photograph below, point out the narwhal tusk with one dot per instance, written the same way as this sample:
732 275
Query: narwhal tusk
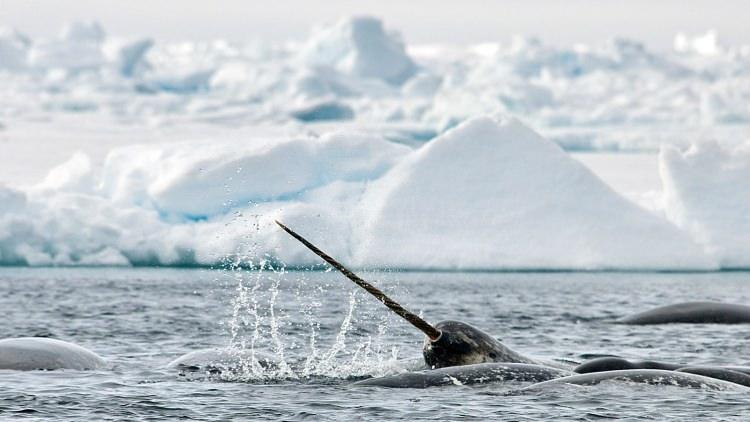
424 326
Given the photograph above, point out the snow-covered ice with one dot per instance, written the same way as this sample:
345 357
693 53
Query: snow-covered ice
487 194
616 95
707 193
498 195
183 153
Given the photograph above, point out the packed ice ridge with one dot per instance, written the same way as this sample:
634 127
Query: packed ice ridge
617 95
488 194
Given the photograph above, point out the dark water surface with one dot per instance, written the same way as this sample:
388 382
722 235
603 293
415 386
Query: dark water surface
329 334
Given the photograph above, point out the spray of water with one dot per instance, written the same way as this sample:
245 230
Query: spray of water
280 330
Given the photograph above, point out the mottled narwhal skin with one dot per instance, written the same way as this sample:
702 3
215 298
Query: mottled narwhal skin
481 373
718 372
733 374
645 376
461 344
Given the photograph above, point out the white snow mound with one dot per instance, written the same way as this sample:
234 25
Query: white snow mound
207 178
491 194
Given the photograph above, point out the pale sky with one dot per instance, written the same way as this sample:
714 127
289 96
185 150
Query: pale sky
420 21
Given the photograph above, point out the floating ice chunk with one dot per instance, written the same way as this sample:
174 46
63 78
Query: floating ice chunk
200 179
491 194
360 46
323 110
14 48
707 192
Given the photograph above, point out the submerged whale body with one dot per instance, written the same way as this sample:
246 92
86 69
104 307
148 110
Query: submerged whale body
481 373
719 372
611 363
644 376
735 374
217 361
692 312
39 353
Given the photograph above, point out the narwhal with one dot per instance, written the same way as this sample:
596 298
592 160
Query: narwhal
459 353
448 343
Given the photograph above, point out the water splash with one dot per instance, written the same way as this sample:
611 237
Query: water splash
274 311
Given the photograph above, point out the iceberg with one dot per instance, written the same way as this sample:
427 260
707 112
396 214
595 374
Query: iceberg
360 46
492 195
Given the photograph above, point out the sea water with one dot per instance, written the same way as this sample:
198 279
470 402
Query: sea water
326 333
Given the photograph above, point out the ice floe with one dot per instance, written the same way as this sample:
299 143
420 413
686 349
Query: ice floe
488 194
615 95
382 158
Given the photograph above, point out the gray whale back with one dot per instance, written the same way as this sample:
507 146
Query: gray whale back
645 376
39 353
218 360
611 363
692 312
719 372
481 373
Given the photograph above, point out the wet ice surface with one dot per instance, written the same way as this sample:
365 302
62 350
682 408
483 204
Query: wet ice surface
141 319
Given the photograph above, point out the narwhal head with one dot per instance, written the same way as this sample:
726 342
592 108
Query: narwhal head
461 344
448 343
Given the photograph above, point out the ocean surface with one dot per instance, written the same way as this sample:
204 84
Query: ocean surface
329 334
